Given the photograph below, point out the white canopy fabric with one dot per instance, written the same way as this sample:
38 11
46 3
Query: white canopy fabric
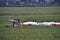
41 23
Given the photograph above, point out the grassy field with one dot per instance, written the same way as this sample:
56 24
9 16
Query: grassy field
38 14
29 10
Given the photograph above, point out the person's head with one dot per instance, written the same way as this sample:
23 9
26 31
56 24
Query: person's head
18 20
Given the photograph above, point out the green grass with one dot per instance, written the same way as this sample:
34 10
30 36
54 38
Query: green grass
30 33
38 14
29 10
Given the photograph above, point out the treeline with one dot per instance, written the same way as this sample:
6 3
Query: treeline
29 3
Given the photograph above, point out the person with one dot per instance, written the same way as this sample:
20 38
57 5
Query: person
16 22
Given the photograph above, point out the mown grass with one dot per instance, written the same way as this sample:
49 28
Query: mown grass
29 10
30 33
38 14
